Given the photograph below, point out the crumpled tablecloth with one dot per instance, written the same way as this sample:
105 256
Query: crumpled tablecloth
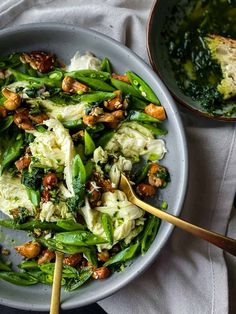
190 275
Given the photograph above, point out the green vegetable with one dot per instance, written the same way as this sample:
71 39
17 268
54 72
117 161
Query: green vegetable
142 117
90 254
12 61
67 271
94 74
149 233
105 138
136 103
123 255
106 65
126 88
154 130
142 87
28 265
4 266
79 169
45 80
34 196
54 245
11 146
82 276
96 84
142 173
89 166
20 279
108 227
88 143
30 225
5 123
164 205
72 124
69 225
96 96
79 238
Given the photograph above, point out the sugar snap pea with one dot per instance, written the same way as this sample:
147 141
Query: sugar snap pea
123 255
105 138
107 227
90 255
4 266
94 74
79 238
28 265
72 124
89 166
69 225
54 245
89 145
106 65
154 130
141 116
142 173
78 169
82 276
136 103
149 233
21 279
142 87
67 271
5 123
34 196
126 88
30 225
96 96
97 84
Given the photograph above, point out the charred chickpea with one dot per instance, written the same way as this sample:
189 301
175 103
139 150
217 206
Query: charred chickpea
101 273
145 189
39 60
29 250
38 118
89 120
13 99
157 112
21 119
72 260
70 85
46 257
23 162
50 180
103 256
115 103
3 112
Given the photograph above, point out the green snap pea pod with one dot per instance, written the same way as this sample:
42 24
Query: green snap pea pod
34 196
10 61
28 265
78 169
96 128
136 103
142 173
30 225
154 130
142 117
4 266
149 233
94 74
83 238
142 87
89 145
54 245
21 279
44 278
89 166
45 80
12 151
96 96
123 255
126 88
5 123
70 225
96 84
72 124
108 227
106 65
105 138
90 255
67 271
83 275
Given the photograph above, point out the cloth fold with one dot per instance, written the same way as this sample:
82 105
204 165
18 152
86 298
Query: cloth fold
189 275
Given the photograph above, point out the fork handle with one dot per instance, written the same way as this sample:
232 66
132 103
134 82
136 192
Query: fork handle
225 243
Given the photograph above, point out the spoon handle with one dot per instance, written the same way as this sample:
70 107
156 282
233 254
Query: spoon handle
56 287
225 243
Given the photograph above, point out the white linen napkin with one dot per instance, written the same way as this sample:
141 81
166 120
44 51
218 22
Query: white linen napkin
190 275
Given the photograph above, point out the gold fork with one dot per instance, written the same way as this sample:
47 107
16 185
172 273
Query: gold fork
225 243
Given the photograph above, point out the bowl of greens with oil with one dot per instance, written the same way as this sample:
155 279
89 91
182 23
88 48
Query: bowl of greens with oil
192 46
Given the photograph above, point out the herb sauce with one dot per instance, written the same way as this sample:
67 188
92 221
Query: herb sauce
195 71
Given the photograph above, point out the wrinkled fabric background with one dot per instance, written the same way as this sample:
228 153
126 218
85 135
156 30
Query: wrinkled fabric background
190 275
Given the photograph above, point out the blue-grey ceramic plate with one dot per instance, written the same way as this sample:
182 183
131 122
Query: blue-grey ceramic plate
64 41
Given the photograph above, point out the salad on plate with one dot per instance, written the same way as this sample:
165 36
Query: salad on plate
66 135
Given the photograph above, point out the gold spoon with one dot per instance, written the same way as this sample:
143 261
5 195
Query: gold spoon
56 287
225 243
